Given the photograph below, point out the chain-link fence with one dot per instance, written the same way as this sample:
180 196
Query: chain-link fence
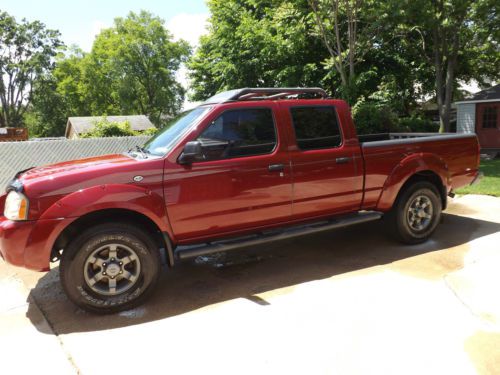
16 156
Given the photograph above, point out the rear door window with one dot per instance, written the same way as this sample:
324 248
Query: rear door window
316 127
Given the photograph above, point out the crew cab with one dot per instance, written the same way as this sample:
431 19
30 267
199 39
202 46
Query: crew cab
246 167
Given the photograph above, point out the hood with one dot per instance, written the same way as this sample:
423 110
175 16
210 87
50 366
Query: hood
70 176
74 166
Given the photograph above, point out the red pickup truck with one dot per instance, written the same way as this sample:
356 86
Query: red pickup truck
247 167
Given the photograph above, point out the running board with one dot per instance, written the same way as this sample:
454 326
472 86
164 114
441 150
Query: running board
193 251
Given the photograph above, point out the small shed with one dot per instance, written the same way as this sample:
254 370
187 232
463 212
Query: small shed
13 134
481 115
79 125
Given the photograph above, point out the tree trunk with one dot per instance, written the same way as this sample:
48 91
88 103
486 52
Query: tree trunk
450 80
335 46
438 67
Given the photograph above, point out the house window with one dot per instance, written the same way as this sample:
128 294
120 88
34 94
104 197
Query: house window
490 117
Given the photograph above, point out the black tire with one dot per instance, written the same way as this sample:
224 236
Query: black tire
133 263
404 225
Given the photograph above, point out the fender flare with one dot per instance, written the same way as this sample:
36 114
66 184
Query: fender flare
407 168
112 196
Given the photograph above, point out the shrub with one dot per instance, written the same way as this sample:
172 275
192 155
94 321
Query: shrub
106 128
150 131
417 124
372 117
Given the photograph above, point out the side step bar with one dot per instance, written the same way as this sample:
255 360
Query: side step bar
193 251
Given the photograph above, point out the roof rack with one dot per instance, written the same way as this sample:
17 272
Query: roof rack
269 93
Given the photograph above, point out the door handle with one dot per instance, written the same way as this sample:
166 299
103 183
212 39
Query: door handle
343 160
276 168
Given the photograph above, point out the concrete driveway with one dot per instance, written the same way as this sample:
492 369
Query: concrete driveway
346 302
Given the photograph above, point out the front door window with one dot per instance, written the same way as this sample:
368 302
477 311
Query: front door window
240 132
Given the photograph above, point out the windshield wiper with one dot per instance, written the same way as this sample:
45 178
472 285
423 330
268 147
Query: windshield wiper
142 150
139 150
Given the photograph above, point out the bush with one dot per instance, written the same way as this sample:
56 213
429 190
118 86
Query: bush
372 117
106 128
417 124
150 131
375 117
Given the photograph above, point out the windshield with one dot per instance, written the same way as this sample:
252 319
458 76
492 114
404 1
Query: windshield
163 142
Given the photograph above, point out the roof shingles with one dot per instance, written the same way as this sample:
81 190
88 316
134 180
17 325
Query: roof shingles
490 93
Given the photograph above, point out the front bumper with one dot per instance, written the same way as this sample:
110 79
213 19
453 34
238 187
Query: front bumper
29 243
13 238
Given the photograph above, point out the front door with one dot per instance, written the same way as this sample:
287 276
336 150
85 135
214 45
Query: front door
488 125
243 182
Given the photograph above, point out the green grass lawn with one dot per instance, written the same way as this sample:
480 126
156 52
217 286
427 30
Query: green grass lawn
490 183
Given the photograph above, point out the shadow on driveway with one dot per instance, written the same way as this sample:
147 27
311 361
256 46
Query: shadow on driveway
243 274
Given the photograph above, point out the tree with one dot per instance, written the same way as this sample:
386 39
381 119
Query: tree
459 40
393 71
58 95
342 47
27 50
47 115
131 69
71 85
132 66
447 26
257 43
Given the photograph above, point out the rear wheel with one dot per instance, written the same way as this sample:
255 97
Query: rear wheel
110 268
416 213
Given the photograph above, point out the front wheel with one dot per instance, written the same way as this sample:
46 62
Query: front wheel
416 213
110 268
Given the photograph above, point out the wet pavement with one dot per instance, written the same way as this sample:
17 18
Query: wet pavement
350 301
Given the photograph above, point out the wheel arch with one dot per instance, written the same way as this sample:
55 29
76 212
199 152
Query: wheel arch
427 176
415 168
161 238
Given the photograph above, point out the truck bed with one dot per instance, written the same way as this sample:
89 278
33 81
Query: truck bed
385 154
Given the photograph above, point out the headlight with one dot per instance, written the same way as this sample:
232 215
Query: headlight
16 206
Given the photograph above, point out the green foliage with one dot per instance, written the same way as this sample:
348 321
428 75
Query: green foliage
279 43
150 131
403 51
105 128
130 70
349 30
372 117
257 43
418 125
455 40
27 50
48 114
490 183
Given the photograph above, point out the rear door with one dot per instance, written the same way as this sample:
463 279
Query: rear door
327 172
244 181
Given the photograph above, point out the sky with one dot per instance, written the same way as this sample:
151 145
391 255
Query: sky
80 21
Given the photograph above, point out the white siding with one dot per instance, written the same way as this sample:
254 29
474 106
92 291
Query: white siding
466 118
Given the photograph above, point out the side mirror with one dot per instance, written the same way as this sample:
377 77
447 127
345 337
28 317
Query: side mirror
192 152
